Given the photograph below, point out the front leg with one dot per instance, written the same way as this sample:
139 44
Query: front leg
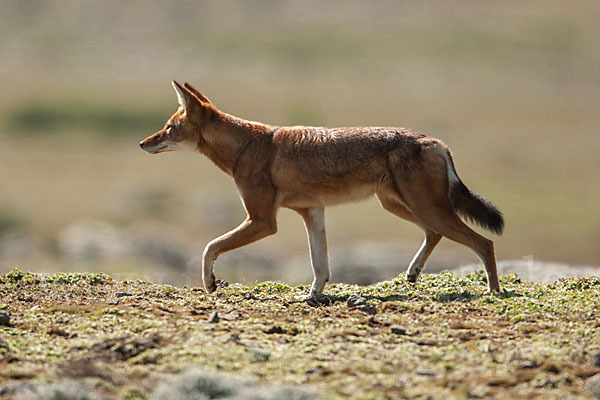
314 220
260 201
249 231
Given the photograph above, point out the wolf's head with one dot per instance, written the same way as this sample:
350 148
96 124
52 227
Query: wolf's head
183 129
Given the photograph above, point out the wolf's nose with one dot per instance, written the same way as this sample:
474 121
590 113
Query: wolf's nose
142 144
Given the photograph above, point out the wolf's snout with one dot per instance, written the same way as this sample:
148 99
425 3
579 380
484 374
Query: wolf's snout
142 144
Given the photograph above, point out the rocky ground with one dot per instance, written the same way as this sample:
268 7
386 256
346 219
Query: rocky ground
88 336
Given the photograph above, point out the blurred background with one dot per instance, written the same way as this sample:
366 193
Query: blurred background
512 87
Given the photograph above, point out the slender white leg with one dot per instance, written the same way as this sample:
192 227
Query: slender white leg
314 220
418 262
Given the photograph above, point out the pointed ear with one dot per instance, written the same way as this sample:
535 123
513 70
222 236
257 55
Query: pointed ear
180 94
200 96
184 97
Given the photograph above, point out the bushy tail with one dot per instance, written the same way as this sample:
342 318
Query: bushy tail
469 204
475 208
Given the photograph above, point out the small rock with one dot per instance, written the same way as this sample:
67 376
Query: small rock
593 385
422 342
232 316
260 355
424 372
274 329
123 294
213 318
530 364
234 338
596 360
479 392
369 309
12 388
148 342
279 330
398 329
360 303
355 301
60 332
318 370
366 308
221 283
4 319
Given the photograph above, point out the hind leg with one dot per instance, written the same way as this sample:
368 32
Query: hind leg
440 217
483 247
393 204
425 192
418 262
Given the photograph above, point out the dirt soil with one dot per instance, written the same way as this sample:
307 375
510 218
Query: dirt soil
444 337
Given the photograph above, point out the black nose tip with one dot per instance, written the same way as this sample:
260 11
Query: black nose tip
142 144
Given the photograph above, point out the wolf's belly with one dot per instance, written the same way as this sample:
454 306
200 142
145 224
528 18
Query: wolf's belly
309 196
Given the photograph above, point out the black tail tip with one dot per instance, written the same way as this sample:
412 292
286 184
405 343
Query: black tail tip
496 222
477 209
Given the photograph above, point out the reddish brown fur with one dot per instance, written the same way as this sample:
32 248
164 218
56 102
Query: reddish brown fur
309 168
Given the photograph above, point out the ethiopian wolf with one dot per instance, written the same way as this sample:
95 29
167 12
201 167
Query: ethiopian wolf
309 168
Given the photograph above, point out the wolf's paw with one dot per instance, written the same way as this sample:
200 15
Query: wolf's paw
210 285
494 290
210 288
317 300
412 278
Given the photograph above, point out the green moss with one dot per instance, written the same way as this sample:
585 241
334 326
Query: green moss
457 337
14 276
69 278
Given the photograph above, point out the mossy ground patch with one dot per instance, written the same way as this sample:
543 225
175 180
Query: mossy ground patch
456 339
